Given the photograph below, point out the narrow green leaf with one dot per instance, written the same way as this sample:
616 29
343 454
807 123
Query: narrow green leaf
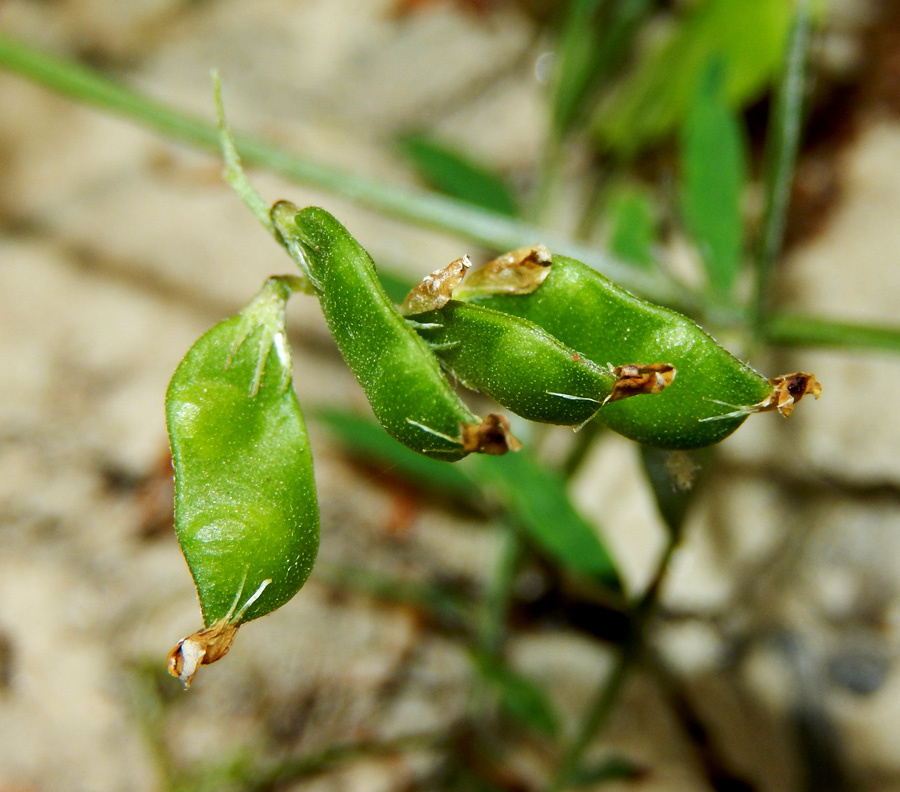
576 59
537 500
713 173
396 285
534 496
521 698
616 768
594 36
654 98
633 229
364 438
458 176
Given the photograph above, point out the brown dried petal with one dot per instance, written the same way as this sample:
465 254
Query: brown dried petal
491 436
634 380
435 290
789 389
520 271
202 648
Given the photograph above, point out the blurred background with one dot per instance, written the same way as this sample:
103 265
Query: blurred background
770 662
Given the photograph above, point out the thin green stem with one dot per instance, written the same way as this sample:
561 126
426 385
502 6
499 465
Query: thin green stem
490 627
783 143
493 231
496 600
255 776
549 173
607 695
148 709
810 331
581 446
234 173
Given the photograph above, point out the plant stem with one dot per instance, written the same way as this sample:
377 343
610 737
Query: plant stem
424 208
495 604
783 141
261 777
810 331
606 696
581 446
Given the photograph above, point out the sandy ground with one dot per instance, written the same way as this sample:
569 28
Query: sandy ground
118 249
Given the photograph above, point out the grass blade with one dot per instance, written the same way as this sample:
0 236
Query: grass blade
654 98
633 227
537 501
713 174
458 176
533 496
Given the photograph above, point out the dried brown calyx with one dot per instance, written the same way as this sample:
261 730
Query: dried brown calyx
789 389
492 436
202 648
634 380
435 290
520 271
211 643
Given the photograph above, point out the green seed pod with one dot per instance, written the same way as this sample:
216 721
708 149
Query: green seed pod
401 377
525 369
714 391
245 500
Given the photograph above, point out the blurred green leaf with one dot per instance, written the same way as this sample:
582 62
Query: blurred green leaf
441 602
534 497
458 176
537 500
616 768
594 36
633 229
364 438
521 699
396 285
713 174
653 100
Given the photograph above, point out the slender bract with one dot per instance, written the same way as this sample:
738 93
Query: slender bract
592 315
519 364
401 377
245 501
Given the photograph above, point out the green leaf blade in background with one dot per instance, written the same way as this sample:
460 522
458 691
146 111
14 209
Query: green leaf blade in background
713 174
616 768
537 500
594 37
533 496
653 100
576 60
458 176
521 698
365 439
632 227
